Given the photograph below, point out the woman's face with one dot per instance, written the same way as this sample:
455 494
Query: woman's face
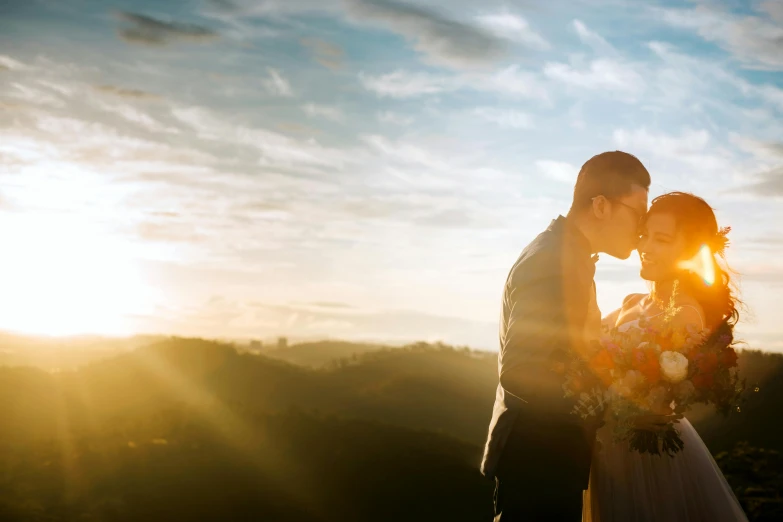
661 247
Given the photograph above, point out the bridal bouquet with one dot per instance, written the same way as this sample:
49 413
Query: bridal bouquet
657 371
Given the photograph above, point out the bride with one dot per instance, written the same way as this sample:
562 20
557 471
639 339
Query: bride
626 486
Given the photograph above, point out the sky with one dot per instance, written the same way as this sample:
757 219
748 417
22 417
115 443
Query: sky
361 169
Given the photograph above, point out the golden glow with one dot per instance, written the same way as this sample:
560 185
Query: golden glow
702 264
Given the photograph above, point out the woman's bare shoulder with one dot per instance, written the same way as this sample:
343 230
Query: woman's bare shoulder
689 312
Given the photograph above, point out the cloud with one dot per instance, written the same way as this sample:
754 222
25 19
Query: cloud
441 40
769 182
224 5
34 95
404 84
394 118
147 30
688 142
276 150
691 147
755 40
123 92
601 75
685 77
138 117
324 111
514 28
9 64
769 150
558 170
593 39
506 118
277 84
510 81
328 54
405 152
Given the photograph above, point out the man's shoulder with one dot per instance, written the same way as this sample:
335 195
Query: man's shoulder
540 258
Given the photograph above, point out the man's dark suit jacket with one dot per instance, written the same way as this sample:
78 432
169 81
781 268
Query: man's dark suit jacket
545 308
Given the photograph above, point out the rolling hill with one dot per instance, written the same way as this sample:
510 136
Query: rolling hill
347 437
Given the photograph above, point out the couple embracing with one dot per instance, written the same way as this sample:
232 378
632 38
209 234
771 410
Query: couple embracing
545 461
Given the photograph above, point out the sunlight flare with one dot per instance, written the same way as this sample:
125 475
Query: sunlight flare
702 264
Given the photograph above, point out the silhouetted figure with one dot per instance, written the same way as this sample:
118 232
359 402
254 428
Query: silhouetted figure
536 451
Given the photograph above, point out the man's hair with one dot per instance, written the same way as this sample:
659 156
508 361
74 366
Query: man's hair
609 174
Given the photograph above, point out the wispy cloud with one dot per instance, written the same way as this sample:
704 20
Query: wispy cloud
691 147
405 84
593 39
324 111
767 184
511 81
755 40
688 142
506 118
124 92
277 84
9 64
442 41
769 150
687 77
768 180
138 117
144 29
598 75
275 150
513 27
328 54
34 95
394 118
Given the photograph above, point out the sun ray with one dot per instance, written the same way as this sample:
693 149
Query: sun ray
233 430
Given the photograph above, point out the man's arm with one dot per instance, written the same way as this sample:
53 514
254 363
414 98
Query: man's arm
542 323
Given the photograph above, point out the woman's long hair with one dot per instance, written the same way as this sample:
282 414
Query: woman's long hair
699 226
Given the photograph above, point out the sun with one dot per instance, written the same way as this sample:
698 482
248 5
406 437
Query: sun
61 275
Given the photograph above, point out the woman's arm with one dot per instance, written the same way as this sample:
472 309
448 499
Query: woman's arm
610 321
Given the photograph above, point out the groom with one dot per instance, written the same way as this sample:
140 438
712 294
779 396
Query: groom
537 452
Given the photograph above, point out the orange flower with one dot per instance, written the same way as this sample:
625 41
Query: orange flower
651 371
602 361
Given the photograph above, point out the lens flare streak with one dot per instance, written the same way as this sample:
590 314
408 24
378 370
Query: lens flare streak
702 264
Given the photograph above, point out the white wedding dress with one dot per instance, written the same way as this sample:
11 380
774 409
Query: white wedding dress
626 486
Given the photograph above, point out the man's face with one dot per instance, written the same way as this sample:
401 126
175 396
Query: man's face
622 225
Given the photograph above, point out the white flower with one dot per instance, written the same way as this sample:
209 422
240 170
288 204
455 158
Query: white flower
674 366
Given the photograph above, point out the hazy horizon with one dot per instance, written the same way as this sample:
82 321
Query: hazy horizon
361 169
